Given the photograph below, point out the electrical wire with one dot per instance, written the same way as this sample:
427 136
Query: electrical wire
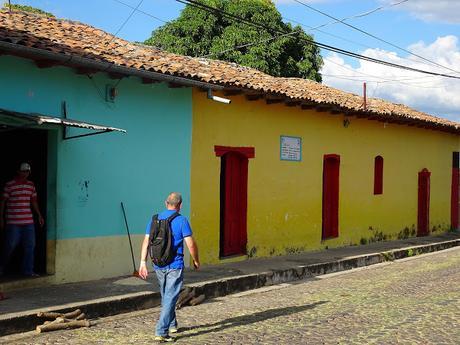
381 82
309 28
125 22
291 33
375 37
364 14
215 11
140 11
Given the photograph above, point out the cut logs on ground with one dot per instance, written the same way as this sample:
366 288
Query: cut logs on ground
188 297
74 319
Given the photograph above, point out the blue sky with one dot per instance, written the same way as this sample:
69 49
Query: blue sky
426 27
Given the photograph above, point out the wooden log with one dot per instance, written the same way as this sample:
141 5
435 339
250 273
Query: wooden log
53 315
48 315
197 300
72 314
64 325
186 298
82 316
183 294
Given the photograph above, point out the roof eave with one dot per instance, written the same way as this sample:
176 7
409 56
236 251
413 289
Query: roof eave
78 61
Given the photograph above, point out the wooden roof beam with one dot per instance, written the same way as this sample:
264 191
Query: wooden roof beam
175 86
149 81
232 91
273 98
321 108
361 114
85 71
45 63
116 76
254 95
336 110
291 103
308 105
273 101
349 113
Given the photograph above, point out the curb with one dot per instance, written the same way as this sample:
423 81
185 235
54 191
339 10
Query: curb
28 320
231 285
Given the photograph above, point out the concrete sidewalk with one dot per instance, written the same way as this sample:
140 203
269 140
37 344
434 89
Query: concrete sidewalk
124 294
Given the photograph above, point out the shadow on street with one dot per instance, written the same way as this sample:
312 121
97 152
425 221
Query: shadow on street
246 319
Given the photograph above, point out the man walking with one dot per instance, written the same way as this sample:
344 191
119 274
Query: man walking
18 196
170 277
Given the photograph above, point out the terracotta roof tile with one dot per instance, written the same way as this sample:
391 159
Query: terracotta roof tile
74 38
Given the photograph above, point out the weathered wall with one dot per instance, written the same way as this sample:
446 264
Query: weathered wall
285 198
89 177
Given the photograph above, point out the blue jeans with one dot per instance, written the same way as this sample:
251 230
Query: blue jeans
24 235
170 282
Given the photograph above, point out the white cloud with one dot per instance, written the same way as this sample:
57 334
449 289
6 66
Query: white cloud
431 10
434 95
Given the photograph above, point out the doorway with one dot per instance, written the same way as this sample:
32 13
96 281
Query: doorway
233 197
423 217
330 224
31 146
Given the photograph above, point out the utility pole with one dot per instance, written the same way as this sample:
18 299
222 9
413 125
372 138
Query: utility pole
364 96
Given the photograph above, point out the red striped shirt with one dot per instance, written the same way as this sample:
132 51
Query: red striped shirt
18 196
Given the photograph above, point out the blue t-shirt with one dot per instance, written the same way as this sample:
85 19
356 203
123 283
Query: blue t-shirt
180 229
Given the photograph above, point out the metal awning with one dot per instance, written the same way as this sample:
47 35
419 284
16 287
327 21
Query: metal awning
12 119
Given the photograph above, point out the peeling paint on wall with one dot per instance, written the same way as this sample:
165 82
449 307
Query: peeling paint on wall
83 195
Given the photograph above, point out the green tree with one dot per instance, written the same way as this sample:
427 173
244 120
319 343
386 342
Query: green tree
199 33
27 9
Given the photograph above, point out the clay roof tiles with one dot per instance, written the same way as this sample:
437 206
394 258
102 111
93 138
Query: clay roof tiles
74 38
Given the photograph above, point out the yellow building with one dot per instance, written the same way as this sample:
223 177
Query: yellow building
309 167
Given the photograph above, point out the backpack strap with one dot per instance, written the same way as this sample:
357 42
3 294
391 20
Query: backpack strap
152 225
171 217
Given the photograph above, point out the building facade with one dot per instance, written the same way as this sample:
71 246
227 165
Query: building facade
82 181
348 180
289 165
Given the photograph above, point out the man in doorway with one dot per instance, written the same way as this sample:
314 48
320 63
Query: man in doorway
170 277
16 203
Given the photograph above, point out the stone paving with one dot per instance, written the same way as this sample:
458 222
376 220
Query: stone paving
412 301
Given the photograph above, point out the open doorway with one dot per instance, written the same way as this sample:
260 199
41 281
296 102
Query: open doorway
26 145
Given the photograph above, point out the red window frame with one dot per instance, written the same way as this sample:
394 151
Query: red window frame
378 175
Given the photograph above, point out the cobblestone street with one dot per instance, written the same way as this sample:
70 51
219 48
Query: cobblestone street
412 301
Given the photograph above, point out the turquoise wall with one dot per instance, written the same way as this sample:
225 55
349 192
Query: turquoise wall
90 176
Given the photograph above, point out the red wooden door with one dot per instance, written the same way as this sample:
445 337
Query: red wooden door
454 200
331 196
423 218
234 185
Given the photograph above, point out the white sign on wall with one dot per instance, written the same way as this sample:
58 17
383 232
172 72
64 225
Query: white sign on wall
291 148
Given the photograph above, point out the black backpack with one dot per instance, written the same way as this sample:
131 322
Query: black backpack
161 244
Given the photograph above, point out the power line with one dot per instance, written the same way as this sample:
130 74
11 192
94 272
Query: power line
309 28
364 14
254 43
291 33
351 78
140 11
250 44
215 11
126 21
374 76
373 36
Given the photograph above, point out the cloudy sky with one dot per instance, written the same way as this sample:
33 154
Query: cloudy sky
430 29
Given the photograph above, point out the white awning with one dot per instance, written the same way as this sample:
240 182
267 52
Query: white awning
12 119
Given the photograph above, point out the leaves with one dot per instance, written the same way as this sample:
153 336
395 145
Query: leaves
199 33
27 9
